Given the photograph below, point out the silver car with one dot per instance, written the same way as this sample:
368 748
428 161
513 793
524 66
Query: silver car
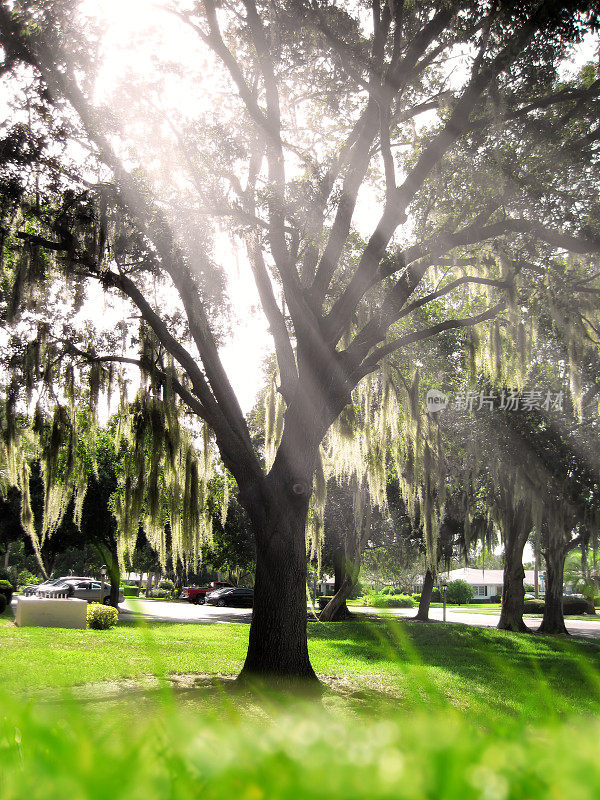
84 589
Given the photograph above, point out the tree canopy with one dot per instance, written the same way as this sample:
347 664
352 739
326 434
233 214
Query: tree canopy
378 197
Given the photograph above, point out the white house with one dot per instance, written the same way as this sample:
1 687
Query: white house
488 582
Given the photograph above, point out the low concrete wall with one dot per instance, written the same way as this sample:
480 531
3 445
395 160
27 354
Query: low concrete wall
42 612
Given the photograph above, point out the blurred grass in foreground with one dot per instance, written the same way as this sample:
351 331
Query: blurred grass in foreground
410 712
300 751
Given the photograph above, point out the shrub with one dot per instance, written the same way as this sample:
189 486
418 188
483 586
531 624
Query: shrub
436 595
25 576
6 575
323 600
3 604
159 593
571 605
459 592
165 583
597 601
390 601
131 591
101 617
6 589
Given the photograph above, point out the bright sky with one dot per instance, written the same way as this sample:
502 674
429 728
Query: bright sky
129 46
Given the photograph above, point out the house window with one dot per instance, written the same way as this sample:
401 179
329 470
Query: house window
479 591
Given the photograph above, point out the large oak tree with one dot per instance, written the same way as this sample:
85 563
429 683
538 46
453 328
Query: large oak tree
309 104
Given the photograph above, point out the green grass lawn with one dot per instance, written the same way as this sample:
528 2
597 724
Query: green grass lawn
409 664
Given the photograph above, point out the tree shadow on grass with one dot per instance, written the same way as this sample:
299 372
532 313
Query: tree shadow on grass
207 695
511 674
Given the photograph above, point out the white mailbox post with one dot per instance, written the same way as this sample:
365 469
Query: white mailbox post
51 613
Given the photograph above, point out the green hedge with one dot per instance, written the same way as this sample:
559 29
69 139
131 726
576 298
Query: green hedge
6 589
436 596
159 594
390 601
131 591
571 605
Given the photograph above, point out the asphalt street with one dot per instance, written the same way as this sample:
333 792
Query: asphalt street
186 612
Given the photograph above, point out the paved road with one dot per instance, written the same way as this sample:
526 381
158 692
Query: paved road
181 612
589 629
186 612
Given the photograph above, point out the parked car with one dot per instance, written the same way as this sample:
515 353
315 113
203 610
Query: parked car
197 594
31 588
88 589
241 598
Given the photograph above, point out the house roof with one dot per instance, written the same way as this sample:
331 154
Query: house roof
482 577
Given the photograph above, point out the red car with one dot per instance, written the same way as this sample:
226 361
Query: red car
194 594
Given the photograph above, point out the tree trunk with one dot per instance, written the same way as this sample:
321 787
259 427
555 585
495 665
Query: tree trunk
278 646
553 620
425 601
114 573
348 570
111 559
336 609
513 591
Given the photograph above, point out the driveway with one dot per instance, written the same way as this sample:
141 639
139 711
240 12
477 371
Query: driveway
160 611
589 629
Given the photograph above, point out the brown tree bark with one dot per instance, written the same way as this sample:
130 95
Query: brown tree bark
278 646
553 620
513 591
425 601
114 573
516 524
336 609
278 507
348 565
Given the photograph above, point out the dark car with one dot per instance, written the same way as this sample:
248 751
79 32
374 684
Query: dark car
240 598
197 594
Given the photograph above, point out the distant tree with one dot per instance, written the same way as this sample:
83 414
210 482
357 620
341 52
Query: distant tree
232 547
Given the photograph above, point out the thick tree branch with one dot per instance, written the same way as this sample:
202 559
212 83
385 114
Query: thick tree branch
361 154
166 380
371 363
449 287
395 212
359 162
